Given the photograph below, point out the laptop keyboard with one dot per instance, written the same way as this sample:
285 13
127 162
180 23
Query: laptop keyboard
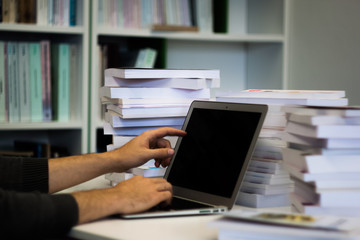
180 204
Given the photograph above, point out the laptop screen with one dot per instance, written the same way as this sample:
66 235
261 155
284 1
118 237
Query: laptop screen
211 155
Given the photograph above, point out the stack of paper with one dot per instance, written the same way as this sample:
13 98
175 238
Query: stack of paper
252 225
140 99
267 183
323 157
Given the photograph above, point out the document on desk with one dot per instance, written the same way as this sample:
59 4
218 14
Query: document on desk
333 223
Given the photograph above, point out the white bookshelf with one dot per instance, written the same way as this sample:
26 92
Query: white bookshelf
252 55
72 134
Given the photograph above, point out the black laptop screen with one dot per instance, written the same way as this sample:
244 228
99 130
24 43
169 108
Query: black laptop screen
213 152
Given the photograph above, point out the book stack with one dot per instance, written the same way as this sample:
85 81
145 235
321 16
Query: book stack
141 99
267 183
323 159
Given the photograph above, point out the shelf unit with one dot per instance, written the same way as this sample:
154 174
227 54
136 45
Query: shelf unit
253 54
73 135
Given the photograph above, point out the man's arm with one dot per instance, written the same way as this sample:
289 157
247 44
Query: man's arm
69 171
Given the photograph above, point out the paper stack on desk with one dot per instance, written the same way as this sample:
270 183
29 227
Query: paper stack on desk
267 183
253 225
323 158
140 99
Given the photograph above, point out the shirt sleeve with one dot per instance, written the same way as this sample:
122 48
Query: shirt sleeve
24 174
36 215
26 210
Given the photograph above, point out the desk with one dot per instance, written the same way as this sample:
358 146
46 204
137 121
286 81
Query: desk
191 227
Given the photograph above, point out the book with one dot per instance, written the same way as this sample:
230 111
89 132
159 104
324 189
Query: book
24 80
265 189
184 83
343 111
305 207
115 178
148 101
322 119
3 86
262 201
117 92
119 141
284 101
280 93
46 80
148 112
146 58
324 131
325 164
117 121
314 177
35 82
129 131
263 178
330 143
13 82
61 81
148 171
308 224
144 73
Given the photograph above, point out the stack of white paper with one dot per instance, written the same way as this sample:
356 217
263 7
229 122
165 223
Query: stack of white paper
141 99
252 225
323 157
267 183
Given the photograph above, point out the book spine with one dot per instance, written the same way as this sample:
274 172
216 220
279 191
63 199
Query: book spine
24 82
50 12
13 80
35 82
64 82
46 80
3 114
72 11
74 90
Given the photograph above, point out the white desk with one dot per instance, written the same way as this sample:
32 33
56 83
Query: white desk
193 227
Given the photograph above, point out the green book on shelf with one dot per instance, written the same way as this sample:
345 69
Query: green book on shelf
36 108
24 79
3 108
13 83
61 81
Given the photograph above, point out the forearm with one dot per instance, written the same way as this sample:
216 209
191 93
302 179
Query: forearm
69 171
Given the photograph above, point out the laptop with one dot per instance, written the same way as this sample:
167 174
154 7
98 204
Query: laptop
210 162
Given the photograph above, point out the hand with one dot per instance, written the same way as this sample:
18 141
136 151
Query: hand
149 145
131 196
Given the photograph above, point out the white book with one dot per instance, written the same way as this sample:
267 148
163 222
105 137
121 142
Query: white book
340 198
133 113
314 209
184 83
115 178
148 171
262 201
331 143
285 101
280 93
316 163
117 121
289 186
313 177
265 163
150 101
324 131
153 93
266 189
275 120
273 180
129 131
162 73
119 141
345 111
322 119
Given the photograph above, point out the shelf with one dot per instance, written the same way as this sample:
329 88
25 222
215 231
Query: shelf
41 29
41 126
220 37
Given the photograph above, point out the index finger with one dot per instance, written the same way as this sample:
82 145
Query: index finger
166 131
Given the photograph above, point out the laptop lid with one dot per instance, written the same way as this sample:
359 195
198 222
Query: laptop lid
210 162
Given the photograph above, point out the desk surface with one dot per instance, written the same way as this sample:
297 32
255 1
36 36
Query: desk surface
192 227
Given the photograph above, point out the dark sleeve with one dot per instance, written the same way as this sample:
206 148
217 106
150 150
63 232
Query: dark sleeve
35 215
24 174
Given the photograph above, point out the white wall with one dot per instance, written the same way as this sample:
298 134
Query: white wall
324 46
